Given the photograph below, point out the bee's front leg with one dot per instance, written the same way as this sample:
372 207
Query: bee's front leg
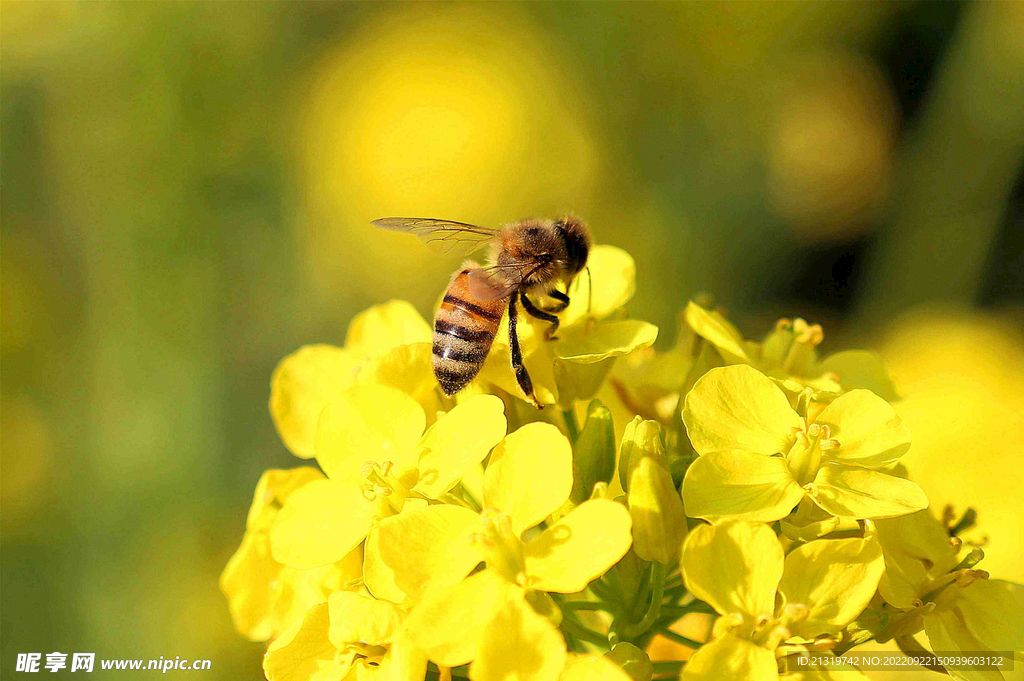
518 368
563 300
537 313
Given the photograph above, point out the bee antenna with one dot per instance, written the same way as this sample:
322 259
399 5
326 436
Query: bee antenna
590 289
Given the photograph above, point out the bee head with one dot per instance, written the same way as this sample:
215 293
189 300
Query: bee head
577 242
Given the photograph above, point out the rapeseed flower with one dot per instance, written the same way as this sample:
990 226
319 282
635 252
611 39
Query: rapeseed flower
486 618
789 353
765 597
760 457
433 544
265 596
932 583
371 444
387 344
351 637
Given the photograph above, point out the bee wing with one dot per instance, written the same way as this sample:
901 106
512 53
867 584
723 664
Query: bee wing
499 281
441 236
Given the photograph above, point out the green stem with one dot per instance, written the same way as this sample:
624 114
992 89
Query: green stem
604 593
581 632
679 638
583 605
668 667
654 609
572 427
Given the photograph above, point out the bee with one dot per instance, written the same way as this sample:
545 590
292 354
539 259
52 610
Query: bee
527 260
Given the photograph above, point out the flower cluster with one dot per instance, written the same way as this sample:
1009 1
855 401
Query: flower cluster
746 494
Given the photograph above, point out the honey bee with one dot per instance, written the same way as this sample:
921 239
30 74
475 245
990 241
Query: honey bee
528 259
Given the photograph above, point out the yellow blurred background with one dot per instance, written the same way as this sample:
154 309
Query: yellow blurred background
186 196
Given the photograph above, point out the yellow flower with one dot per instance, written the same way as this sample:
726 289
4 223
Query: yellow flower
371 444
766 597
574 366
486 618
351 637
387 344
789 353
936 589
760 457
264 596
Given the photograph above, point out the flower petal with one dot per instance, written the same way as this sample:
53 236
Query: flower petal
739 484
301 386
529 475
368 423
590 343
718 331
265 597
854 492
378 577
738 407
916 549
361 619
273 490
457 441
382 327
728 657
430 548
321 523
979 604
246 582
519 644
304 650
734 566
449 624
867 428
404 660
579 548
834 579
948 635
608 286
407 368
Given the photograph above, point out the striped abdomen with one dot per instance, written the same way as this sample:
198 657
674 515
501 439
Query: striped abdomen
463 332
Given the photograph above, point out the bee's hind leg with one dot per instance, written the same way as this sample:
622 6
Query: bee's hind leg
537 313
518 368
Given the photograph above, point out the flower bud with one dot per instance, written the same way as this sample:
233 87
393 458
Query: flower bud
640 439
659 522
593 453
632 660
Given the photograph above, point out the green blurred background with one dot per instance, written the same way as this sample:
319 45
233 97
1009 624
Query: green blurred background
187 187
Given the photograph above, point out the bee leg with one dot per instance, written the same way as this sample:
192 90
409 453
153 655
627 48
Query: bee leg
518 368
563 300
537 313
